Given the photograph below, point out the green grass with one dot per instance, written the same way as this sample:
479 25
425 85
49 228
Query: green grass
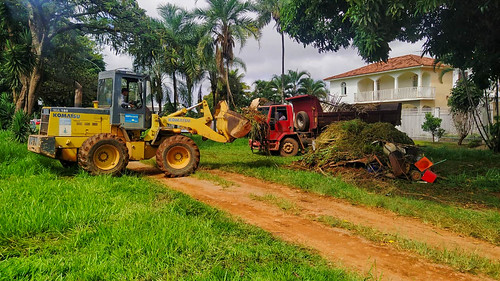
203 175
280 202
458 259
472 176
61 224
237 157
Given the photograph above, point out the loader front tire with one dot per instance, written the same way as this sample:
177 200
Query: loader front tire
103 154
178 156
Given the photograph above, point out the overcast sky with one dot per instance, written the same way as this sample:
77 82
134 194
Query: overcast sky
264 59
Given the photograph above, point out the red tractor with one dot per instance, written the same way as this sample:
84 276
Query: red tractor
293 127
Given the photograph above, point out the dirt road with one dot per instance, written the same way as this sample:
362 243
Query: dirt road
335 244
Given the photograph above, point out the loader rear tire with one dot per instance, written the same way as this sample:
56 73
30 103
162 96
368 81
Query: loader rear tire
289 147
103 154
178 156
302 121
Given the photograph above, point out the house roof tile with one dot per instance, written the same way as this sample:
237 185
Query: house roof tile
391 64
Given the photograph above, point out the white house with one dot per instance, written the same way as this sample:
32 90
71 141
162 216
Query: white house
414 81
410 79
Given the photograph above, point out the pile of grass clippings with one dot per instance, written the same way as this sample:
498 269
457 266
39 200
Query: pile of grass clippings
352 140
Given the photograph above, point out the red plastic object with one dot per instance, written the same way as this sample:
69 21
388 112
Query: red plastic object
423 164
429 176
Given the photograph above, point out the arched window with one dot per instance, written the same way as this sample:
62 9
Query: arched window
343 89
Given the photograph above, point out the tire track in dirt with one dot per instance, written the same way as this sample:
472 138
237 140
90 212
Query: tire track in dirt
335 244
317 205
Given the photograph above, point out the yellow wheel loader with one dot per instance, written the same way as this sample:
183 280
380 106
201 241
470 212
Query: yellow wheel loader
120 128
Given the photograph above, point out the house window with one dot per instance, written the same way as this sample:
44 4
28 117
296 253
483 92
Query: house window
378 84
460 75
343 89
415 81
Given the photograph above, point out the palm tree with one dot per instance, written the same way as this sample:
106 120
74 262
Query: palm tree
271 9
268 90
176 26
192 61
313 87
296 79
228 22
280 84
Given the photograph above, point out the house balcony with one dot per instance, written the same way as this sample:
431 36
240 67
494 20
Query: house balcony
396 95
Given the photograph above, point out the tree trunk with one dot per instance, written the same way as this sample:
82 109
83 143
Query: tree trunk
213 86
174 80
228 88
461 139
78 94
36 77
153 93
15 96
282 67
497 119
39 29
189 85
21 100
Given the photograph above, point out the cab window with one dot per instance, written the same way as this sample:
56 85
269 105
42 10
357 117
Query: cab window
134 91
282 114
105 92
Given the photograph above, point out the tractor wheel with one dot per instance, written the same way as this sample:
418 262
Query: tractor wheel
302 121
178 156
103 154
289 147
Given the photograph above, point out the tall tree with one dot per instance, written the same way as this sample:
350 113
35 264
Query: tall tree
149 57
177 25
111 21
192 67
271 10
228 22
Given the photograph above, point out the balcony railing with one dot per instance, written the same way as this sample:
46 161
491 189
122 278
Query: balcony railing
411 93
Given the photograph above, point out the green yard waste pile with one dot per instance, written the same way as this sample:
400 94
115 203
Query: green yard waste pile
352 141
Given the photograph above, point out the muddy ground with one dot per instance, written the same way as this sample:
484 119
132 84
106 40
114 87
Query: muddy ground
301 226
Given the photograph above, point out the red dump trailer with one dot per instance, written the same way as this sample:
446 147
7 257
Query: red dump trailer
293 127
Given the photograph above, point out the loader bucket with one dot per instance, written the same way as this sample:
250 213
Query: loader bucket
230 123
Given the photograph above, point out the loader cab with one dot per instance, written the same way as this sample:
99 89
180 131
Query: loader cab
134 115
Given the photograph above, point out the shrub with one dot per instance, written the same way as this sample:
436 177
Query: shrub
474 143
20 126
7 109
433 125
